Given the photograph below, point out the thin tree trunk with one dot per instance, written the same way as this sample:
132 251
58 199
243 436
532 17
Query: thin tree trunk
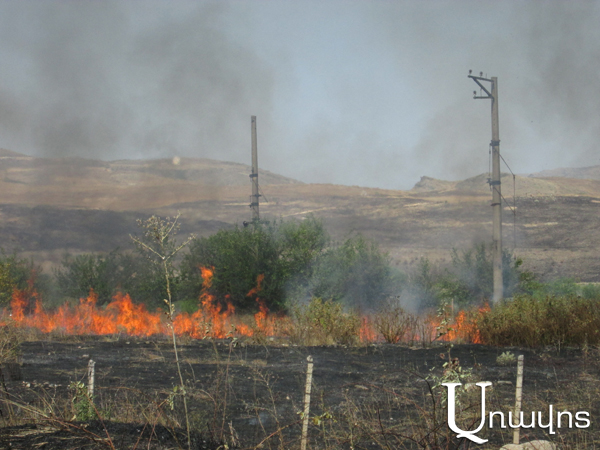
183 391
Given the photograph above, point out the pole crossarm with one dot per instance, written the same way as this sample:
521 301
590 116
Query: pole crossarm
477 80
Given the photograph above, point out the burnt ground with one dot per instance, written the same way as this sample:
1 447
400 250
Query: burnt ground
371 397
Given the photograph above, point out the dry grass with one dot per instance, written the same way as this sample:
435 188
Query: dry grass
537 322
323 323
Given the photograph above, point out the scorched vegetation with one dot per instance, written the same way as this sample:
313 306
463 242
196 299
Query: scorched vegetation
249 304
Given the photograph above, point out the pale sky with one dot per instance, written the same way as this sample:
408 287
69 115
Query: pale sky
369 93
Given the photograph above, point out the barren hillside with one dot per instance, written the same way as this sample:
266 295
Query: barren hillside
592 173
49 206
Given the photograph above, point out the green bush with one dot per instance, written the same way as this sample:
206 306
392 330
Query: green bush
281 251
355 273
294 258
534 321
420 289
468 280
590 291
20 273
140 274
560 287
109 274
506 359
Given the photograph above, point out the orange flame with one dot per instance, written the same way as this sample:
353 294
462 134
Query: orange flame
265 323
367 331
464 326
213 319
120 316
209 320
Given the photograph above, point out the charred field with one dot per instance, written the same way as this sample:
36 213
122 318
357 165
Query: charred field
248 392
246 395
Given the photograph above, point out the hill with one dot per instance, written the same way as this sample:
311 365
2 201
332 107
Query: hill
519 185
591 173
52 206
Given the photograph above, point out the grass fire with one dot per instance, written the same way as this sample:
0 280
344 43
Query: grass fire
220 361
214 319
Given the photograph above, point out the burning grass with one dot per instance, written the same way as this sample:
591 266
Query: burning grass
523 321
317 323
122 316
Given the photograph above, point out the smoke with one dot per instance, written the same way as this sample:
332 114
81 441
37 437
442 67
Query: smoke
563 50
350 92
112 80
546 56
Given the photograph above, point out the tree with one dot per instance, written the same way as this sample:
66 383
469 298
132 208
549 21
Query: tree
469 280
7 283
283 252
421 288
356 273
79 274
20 273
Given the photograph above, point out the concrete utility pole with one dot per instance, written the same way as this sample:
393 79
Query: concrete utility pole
254 174
495 181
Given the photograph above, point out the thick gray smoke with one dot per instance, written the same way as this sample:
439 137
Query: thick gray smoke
350 92
546 56
113 80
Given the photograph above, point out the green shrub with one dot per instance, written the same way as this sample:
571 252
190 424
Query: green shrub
281 251
560 287
470 279
506 359
83 405
355 273
109 274
467 281
590 291
20 273
420 289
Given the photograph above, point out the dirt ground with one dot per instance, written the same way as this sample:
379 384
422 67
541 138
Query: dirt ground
245 395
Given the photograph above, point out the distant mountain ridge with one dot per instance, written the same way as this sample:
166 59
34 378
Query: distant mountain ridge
19 168
519 185
4 153
589 173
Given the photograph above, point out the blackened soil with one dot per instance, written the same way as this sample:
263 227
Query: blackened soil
242 394
99 435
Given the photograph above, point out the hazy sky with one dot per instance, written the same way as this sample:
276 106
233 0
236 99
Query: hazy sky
370 93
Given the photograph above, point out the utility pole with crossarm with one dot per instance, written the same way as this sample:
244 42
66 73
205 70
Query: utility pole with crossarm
492 93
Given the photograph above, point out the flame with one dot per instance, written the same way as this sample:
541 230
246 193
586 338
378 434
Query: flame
217 320
367 331
210 320
265 323
214 318
255 290
120 316
464 326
